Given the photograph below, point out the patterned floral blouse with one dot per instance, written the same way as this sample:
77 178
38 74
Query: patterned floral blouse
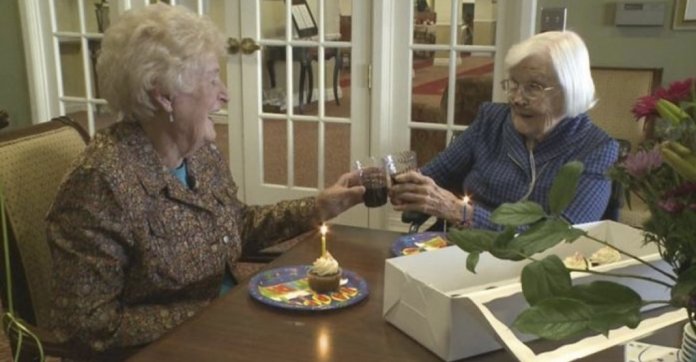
136 253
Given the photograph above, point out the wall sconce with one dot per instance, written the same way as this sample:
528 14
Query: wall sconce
101 10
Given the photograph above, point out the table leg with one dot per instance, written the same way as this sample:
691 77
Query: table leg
302 83
270 67
310 83
338 64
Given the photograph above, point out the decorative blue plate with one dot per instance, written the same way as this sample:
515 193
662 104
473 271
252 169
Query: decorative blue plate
417 243
287 288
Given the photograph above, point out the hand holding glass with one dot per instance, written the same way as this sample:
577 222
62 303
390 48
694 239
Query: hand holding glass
400 162
374 178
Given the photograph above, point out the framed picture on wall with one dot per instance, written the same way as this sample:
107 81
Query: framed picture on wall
684 15
303 19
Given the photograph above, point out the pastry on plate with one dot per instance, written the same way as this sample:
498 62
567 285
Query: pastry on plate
325 275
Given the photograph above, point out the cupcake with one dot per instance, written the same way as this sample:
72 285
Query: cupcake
325 275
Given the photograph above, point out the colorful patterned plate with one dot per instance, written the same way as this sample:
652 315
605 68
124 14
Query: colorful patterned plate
287 288
417 243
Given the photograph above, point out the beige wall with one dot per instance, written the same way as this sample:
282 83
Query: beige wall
14 92
648 47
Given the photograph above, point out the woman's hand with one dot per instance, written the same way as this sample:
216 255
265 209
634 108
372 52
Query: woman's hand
341 196
416 192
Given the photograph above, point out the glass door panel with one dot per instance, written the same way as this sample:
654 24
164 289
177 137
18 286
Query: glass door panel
453 47
306 120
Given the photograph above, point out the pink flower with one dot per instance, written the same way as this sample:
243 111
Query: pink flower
644 107
676 92
642 162
671 206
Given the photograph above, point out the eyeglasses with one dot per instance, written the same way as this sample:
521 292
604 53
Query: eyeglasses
531 91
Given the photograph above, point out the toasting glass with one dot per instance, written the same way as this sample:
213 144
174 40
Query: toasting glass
398 163
374 178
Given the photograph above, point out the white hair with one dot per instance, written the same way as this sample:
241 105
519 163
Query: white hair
156 46
570 60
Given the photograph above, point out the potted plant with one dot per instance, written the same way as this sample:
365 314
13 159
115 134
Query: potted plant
663 174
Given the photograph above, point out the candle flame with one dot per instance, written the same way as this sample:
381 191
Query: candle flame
323 229
466 199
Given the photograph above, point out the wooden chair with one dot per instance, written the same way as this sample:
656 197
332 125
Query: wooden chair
33 162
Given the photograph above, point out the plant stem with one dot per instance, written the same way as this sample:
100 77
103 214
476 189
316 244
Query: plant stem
668 275
621 276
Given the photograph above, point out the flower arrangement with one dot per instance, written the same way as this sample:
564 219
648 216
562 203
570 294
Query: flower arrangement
662 173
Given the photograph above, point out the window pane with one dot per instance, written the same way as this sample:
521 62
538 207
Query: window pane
77 111
484 22
67 15
104 116
273 79
272 19
428 85
337 84
275 155
305 159
94 46
427 144
97 15
72 67
336 151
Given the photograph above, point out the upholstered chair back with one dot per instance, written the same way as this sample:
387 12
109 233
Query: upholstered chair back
33 161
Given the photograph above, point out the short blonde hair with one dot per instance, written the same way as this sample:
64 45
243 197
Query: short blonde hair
158 45
570 60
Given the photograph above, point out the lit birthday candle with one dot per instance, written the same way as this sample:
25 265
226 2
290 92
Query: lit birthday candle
323 231
466 200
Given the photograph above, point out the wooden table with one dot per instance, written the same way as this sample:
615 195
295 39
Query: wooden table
238 328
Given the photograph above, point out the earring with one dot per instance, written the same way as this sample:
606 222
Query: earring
171 117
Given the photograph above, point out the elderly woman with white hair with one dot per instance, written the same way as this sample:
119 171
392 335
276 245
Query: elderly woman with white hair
513 151
147 226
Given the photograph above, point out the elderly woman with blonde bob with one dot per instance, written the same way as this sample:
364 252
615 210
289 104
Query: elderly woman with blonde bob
513 151
146 227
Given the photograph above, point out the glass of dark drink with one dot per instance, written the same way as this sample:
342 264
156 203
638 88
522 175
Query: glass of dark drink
374 178
398 163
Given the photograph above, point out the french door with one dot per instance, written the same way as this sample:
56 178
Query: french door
305 99
452 62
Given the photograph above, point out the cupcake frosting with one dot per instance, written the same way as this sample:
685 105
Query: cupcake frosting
325 265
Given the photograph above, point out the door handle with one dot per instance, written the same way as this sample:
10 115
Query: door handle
232 46
249 46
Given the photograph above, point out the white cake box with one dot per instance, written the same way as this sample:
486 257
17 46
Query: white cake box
433 298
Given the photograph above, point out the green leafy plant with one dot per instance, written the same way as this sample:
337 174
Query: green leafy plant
663 175
558 309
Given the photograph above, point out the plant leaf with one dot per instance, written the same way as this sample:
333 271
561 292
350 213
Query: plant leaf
544 279
500 247
518 213
471 262
542 236
564 186
681 292
555 318
613 305
472 240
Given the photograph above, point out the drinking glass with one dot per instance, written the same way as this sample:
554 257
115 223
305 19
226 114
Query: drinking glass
374 178
399 162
